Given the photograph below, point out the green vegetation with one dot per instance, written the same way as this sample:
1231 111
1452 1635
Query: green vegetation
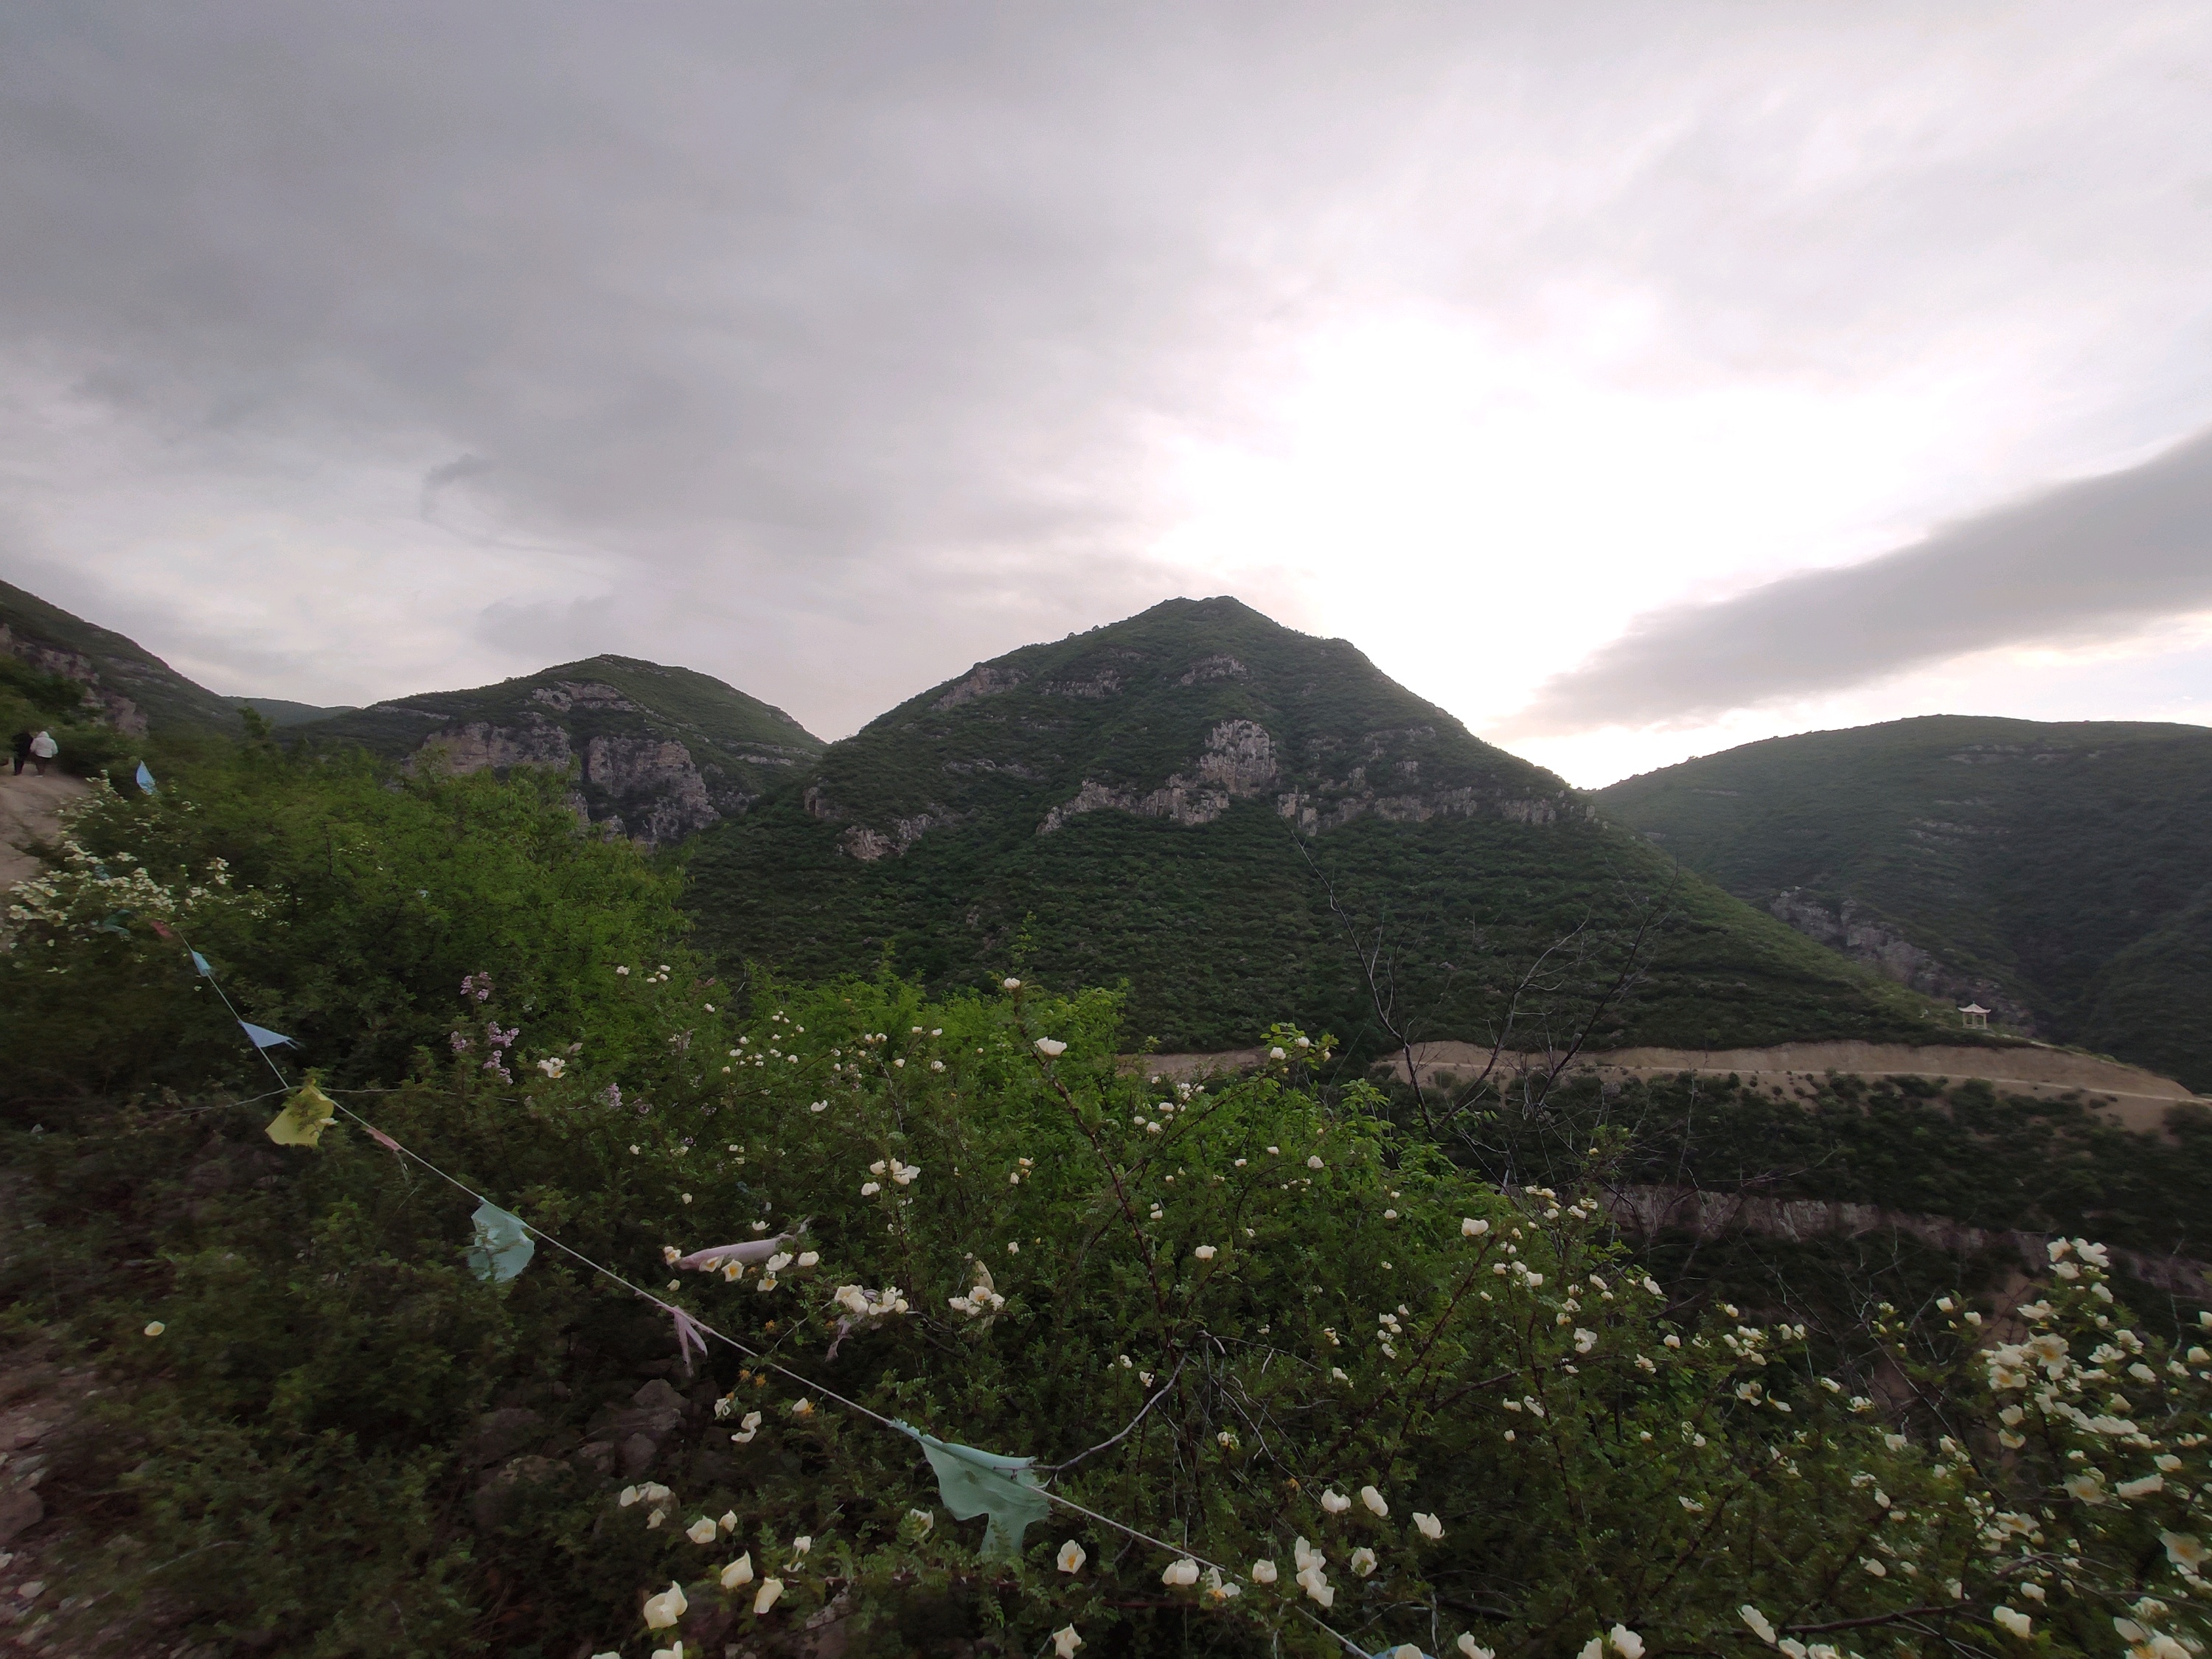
317 1430
2069 866
1462 863
35 701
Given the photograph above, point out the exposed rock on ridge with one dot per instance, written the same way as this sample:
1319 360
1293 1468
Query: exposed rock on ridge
1238 760
1854 929
117 710
658 754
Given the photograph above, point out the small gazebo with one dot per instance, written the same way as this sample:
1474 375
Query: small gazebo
1974 1014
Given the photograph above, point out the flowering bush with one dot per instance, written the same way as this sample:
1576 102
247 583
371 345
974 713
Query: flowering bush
1289 1376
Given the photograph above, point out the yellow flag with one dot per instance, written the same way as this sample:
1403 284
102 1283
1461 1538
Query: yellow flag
305 1116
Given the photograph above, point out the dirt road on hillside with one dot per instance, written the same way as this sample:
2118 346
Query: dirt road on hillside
30 811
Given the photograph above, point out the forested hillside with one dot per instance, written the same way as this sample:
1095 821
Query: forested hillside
539 1292
658 753
2060 873
1230 816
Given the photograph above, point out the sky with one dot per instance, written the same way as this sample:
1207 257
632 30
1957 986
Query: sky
1631 381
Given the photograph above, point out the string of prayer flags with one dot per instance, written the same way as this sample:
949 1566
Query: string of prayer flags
145 778
259 1035
201 963
503 1246
306 1114
973 1483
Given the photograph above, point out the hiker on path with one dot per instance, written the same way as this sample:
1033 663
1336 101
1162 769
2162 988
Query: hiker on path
43 749
21 744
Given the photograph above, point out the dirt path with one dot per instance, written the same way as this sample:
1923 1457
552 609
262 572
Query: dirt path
30 808
2127 1094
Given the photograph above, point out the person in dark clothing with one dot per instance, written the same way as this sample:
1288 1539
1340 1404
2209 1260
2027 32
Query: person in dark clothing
20 743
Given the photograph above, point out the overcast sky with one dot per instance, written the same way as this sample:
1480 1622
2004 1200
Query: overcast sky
1634 380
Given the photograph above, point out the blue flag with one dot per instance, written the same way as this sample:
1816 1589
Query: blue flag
145 778
262 1037
201 963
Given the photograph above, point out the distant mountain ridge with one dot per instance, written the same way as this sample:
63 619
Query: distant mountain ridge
2059 873
134 690
660 752
1173 799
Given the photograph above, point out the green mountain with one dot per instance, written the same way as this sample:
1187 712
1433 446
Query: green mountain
134 691
661 752
1234 818
283 711
2062 874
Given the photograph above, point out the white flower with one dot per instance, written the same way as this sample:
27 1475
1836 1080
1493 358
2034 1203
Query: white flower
624 972
155 1327
770 1592
2018 1623
1363 1561
553 1066
1064 1641
1263 1572
2088 1487
2184 1550
800 1545
1584 1340
1626 1642
1759 1624
1179 1573
673 1651
1071 1557
1468 1645
1277 1054
1593 1649
870 1189
1205 1253
1320 1589
2142 1488
1373 1499
1313 1163
1049 1048
1013 985
701 1531
904 1173
740 1572
664 1609
1217 1590
1335 1502
778 1262
1430 1527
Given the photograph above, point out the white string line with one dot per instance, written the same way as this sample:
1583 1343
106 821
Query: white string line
807 1382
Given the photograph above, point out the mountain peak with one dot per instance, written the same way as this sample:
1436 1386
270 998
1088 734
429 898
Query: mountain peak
1174 714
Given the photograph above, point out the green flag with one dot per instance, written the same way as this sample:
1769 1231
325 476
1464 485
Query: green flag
973 1483
503 1246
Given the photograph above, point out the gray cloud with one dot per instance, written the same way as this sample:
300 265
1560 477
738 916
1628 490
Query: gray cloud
847 336
2091 560
447 472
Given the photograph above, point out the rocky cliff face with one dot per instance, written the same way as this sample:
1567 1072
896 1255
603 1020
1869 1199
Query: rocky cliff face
1856 931
116 709
656 753
646 786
